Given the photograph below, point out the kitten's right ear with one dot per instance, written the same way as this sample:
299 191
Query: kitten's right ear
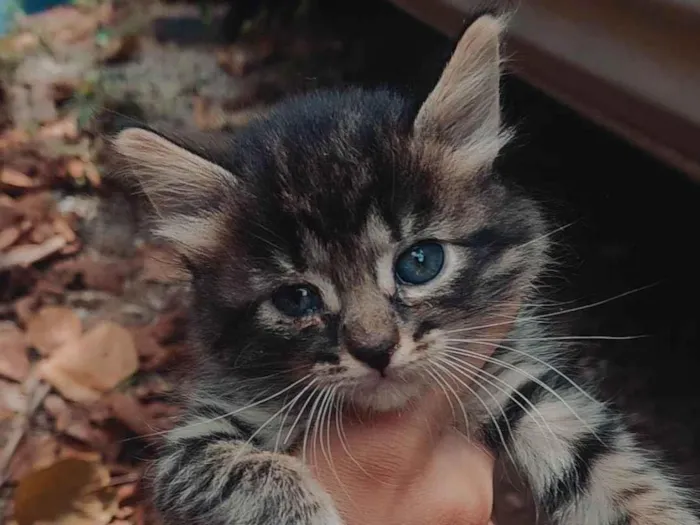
185 189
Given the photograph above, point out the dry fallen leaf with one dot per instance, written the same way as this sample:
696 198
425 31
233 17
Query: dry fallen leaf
70 492
53 327
41 233
61 226
63 128
37 451
84 369
9 236
131 413
16 179
12 397
27 254
74 421
14 363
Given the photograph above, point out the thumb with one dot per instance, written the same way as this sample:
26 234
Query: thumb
396 442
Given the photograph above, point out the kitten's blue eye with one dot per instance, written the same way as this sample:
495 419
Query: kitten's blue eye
421 263
297 301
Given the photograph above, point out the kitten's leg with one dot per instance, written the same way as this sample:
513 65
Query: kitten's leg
582 464
214 470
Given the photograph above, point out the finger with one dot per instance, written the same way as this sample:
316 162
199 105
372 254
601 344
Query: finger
397 441
460 479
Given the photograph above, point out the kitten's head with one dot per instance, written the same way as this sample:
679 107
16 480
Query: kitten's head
347 240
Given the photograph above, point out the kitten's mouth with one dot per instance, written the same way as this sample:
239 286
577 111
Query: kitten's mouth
390 390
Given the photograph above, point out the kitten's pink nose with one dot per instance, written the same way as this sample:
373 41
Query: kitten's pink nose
377 356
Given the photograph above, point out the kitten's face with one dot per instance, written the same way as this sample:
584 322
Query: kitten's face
344 241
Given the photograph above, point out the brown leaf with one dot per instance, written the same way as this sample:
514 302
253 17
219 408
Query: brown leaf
152 355
75 422
66 493
41 233
27 254
10 214
13 138
130 412
65 128
92 174
35 452
61 227
12 397
83 370
13 178
14 363
97 273
35 206
26 306
9 236
53 327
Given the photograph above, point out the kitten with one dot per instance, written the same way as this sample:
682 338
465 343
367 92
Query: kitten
348 250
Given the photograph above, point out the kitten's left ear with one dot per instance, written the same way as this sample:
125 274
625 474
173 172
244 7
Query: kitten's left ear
463 110
186 189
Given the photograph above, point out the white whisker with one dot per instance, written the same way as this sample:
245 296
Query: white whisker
310 421
291 407
504 364
554 314
233 412
482 375
483 403
536 360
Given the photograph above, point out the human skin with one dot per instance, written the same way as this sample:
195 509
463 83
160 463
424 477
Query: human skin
408 468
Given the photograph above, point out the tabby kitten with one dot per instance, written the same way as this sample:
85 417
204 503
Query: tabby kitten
345 250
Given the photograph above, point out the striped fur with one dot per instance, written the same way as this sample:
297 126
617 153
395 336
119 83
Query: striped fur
326 192
581 462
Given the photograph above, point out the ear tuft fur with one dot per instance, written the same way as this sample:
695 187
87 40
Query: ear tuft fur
463 110
183 187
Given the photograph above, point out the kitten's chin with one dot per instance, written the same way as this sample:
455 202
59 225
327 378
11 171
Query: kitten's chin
385 396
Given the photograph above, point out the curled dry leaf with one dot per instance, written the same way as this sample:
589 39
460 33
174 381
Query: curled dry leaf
27 254
14 363
74 421
64 128
131 413
9 236
82 170
41 233
53 327
12 397
84 369
61 227
10 214
35 207
37 451
72 491
13 178
97 273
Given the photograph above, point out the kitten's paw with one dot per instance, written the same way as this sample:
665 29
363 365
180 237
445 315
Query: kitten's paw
273 489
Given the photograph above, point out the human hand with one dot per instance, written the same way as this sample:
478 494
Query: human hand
405 469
